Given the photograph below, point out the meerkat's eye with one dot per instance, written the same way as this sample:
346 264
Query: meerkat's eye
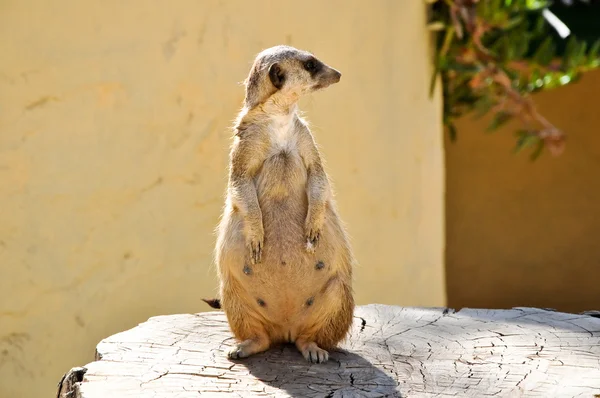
311 66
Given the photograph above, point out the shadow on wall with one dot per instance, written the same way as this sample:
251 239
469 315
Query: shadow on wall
522 233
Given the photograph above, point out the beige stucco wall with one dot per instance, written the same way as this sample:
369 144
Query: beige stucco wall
114 133
522 233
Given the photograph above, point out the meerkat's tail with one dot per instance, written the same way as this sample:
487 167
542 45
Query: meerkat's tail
214 303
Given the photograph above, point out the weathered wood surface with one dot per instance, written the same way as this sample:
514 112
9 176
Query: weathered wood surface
392 352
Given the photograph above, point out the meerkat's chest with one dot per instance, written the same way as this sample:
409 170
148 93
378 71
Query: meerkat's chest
282 134
283 174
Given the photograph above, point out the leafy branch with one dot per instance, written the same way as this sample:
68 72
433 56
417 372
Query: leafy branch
491 59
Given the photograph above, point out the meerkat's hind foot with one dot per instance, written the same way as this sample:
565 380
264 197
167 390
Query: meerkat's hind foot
236 352
247 348
312 352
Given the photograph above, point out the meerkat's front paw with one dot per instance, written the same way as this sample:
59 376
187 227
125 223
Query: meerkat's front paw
255 247
313 353
255 244
312 238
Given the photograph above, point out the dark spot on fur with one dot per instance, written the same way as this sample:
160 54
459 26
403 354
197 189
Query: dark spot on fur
247 270
261 302
310 301
283 263
320 265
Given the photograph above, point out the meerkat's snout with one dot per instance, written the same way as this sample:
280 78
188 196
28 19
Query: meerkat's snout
323 75
337 75
329 76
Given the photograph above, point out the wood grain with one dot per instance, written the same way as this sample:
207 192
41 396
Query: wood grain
392 352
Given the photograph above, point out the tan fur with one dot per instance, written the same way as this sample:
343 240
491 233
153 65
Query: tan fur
283 257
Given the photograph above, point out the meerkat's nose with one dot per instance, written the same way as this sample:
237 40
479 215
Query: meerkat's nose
336 75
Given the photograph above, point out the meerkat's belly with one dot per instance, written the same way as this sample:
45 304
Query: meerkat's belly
287 282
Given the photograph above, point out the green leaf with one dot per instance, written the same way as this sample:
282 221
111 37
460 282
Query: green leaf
525 139
462 68
440 64
536 4
545 52
492 10
433 81
569 53
508 50
551 80
540 26
513 22
537 151
594 54
496 6
499 119
436 26
580 51
565 78
452 132
535 81
482 106
595 49
520 48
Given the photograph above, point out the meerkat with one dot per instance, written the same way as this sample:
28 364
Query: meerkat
282 254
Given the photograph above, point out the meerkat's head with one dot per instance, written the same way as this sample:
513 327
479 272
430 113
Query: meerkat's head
287 72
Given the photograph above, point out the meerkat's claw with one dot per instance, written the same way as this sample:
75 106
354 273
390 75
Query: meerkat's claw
247 348
254 241
255 251
312 239
310 247
236 352
319 356
314 354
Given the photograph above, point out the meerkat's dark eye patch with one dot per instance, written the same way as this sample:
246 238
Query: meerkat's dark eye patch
276 75
312 66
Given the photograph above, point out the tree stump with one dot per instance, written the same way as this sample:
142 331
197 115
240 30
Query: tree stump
391 352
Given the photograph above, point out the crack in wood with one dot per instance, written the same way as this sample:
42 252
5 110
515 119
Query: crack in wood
524 352
363 323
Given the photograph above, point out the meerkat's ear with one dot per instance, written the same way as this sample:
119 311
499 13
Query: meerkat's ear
276 75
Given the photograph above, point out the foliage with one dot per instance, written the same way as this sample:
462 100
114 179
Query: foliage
491 59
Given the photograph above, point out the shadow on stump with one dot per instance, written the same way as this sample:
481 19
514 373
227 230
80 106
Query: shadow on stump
346 374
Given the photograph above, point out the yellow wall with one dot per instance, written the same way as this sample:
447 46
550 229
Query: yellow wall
522 233
114 135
